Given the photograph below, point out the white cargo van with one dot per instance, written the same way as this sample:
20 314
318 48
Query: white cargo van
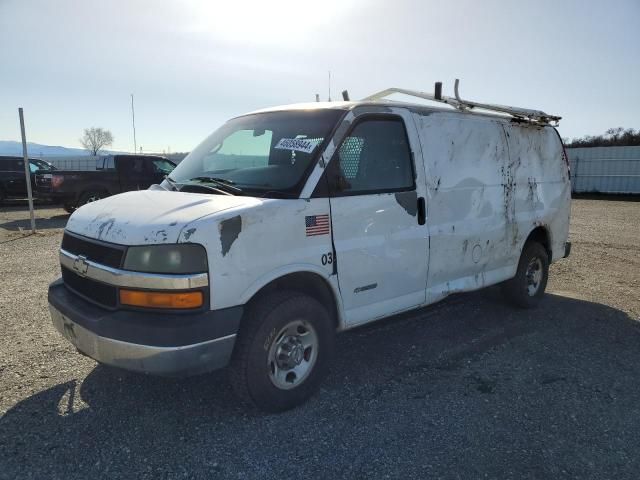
290 224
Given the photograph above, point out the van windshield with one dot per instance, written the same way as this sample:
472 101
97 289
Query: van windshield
263 154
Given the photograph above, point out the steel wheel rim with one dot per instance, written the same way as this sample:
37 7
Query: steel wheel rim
292 354
534 276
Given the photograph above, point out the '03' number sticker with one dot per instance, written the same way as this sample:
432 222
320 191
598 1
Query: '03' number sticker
327 259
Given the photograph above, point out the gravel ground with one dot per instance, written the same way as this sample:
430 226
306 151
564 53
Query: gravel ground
468 388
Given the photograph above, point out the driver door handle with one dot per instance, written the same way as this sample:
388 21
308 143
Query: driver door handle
422 211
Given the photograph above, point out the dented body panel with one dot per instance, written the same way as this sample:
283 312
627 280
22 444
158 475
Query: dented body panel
490 183
249 241
482 184
381 248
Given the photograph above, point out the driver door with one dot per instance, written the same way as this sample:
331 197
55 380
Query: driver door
378 218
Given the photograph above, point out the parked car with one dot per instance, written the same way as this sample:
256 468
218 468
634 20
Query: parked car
114 174
12 181
290 224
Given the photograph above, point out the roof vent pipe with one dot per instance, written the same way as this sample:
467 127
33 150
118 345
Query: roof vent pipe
438 91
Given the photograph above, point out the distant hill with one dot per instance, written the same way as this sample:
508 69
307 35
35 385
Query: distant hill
59 155
10 147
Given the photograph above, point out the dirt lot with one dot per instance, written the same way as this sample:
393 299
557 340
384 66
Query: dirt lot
468 388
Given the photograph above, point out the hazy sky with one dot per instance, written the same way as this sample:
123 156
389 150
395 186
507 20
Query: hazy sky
193 64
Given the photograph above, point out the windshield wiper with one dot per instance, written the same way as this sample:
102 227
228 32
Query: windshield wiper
215 179
198 187
221 183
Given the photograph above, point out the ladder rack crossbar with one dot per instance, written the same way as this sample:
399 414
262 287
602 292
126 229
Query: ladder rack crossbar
533 116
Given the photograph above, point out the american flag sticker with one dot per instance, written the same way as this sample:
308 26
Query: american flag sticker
317 225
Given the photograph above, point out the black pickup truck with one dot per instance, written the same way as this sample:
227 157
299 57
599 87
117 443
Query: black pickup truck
113 174
12 184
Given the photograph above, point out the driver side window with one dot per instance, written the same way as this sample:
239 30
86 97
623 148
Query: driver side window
374 158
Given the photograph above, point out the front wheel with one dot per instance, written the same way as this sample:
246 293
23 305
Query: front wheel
527 287
283 351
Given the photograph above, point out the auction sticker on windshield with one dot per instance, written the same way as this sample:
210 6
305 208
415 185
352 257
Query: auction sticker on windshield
297 144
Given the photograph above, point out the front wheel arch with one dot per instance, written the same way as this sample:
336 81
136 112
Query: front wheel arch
306 282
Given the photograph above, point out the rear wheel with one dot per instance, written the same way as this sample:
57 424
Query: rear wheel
69 207
283 351
527 287
91 196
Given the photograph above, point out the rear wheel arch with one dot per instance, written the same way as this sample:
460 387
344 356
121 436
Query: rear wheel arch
90 190
541 235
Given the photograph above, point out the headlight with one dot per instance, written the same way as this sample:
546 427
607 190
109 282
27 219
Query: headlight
178 258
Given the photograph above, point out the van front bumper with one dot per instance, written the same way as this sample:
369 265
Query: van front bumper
154 343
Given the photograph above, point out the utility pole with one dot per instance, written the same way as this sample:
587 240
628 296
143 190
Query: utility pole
133 121
27 170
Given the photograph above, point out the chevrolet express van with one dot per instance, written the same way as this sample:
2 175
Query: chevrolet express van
288 225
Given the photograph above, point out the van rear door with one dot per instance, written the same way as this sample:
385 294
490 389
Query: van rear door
377 212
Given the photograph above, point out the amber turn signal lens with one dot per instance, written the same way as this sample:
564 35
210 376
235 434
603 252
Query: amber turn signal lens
139 298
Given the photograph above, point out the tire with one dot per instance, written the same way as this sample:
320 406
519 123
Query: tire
69 208
527 288
284 348
90 196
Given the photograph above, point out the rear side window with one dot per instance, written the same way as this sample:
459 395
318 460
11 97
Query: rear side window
375 157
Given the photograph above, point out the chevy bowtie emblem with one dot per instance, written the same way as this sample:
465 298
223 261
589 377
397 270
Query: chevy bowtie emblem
80 265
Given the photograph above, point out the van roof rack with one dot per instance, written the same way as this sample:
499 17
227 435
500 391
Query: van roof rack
523 114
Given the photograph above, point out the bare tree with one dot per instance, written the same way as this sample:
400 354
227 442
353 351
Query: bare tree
96 138
613 137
